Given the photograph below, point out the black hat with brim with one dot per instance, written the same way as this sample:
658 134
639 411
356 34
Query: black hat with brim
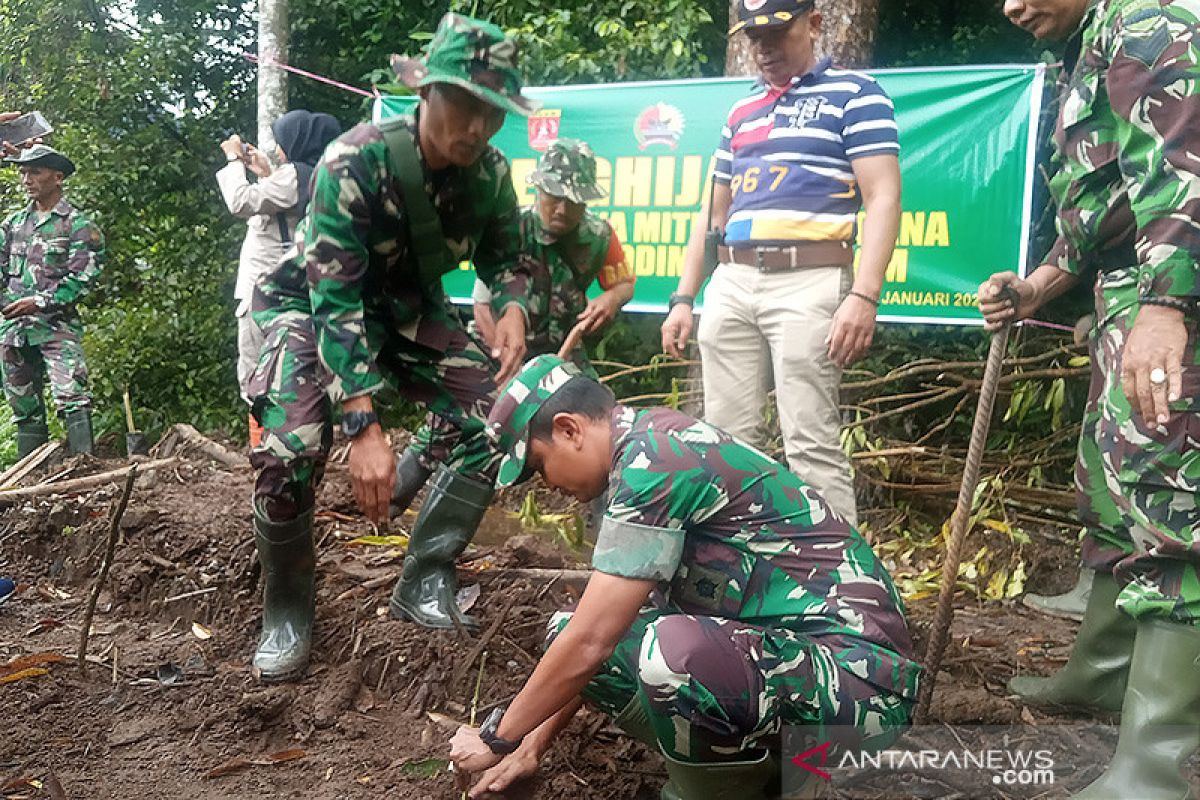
769 13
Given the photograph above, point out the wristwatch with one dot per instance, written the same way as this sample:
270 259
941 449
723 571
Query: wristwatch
677 299
355 422
487 734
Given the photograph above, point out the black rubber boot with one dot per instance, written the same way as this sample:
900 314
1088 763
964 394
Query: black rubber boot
1095 674
79 432
288 558
411 477
727 780
448 519
31 436
1160 720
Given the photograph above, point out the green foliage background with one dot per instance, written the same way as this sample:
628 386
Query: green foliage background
141 93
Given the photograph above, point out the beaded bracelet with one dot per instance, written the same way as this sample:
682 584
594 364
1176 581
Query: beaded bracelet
1179 304
866 297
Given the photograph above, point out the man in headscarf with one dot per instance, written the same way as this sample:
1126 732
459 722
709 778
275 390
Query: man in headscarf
271 206
50 252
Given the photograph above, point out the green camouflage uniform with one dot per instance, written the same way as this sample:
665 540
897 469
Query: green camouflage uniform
562 269
1127 187
774 610
349 307
53 256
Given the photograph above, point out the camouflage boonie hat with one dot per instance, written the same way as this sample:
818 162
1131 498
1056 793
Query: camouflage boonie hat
515 408
474 55
567 169
41 155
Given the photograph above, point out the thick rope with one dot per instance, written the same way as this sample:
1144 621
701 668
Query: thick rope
958 522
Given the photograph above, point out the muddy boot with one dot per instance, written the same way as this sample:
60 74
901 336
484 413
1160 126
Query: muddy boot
634 720
288 558
1095 674
728 780
448 519
1160 720
1070 605
79 432
31 436
410 479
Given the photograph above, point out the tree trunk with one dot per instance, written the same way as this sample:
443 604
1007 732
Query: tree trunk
272 81
847 35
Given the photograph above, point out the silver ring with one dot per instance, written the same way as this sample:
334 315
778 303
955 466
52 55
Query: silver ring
1158 376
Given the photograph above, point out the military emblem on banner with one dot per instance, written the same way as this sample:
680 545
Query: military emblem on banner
543 127
658 124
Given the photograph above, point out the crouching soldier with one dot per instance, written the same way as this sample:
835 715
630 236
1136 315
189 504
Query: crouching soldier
776 611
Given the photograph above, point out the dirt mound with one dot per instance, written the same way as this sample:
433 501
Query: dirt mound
168 708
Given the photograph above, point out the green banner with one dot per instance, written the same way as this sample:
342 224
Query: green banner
967 149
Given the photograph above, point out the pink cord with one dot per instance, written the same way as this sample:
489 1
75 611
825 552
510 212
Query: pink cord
270 62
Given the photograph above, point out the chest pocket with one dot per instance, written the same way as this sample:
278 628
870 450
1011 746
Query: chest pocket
55 251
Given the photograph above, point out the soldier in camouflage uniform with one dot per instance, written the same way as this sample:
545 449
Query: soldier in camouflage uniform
565 249
393 207
1127 186
773 610
50 252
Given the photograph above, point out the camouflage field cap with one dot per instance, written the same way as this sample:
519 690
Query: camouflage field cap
515 408
567 169
41 155
471 54
768 13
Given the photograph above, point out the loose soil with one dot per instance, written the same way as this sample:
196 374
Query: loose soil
168 706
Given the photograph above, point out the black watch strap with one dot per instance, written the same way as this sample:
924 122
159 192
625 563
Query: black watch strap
487 734
355 422
684 299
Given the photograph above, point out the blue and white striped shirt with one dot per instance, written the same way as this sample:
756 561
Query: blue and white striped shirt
786 154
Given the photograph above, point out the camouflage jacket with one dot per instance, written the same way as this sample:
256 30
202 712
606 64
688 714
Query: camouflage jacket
1126 174
53 256
736 535
352 267
563 270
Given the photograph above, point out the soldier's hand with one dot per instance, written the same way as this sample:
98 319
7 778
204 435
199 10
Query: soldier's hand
996 304
1152 362
677 329
852 330
509 347
20 308
372 473
599 312
516 766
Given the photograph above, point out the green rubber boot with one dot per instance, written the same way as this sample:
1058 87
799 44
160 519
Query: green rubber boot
31 436
411 477
634 720
1070 605
79 432
289 559
452 511
726 780
1095 673
1160 721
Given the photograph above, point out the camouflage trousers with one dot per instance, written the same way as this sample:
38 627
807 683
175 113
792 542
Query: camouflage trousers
289 399
716 688
432 441
1138 484
25 366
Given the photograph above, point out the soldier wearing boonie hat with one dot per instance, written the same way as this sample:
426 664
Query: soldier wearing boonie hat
774 610
50 253
360 300
566 248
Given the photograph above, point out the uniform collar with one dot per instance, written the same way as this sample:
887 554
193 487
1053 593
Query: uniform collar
62 208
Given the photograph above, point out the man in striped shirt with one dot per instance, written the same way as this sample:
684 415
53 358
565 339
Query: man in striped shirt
798 158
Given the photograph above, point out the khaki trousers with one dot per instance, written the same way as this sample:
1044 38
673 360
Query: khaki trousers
761 328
